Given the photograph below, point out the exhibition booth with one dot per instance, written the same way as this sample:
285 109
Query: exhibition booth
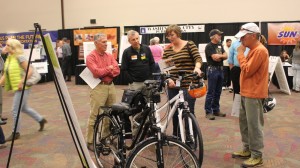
81 41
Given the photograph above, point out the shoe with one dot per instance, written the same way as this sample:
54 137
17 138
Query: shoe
2 146
3 118
10 138
223 88
42 124
90 147
219 114
252 162
2 122
241 154
210 116
230 90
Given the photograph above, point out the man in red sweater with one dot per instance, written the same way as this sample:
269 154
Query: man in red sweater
103 66
254 89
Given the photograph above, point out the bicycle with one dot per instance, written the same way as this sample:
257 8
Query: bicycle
188 128
160 150
110 148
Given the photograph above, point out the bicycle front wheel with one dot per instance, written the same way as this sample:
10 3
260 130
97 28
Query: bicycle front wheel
193 136
106 140
175 154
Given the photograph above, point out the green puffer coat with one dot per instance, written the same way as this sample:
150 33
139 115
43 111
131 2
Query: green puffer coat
13 73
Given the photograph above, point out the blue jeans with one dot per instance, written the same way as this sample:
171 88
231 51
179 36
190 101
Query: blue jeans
24 108
2 137
191 101
215 78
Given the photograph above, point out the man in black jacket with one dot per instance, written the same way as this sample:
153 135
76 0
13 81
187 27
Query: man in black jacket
137 62
138 65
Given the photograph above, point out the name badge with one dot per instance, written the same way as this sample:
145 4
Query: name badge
143 56
134 57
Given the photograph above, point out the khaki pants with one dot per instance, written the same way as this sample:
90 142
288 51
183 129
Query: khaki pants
101 95
251 125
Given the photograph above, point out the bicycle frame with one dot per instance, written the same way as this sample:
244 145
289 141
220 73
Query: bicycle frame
177 100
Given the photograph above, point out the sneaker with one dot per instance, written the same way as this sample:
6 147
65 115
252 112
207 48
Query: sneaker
210 116
219 114
241 154
2 146
223 88
252 162
2 122
10 138
42 124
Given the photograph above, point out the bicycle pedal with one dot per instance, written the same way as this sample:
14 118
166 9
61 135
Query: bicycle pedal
106 151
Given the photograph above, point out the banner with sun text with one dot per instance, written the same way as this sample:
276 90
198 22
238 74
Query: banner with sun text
283 33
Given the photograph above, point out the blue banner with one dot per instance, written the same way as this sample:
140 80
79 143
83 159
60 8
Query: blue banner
27 37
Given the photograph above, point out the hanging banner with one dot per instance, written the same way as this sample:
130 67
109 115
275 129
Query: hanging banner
26 37
283 33
162 29
87 35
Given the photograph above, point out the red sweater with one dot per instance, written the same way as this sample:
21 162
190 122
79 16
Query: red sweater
254 73
98 65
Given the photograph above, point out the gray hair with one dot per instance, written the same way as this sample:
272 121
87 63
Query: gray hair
131 33
152 41
156 39
65 39
99 36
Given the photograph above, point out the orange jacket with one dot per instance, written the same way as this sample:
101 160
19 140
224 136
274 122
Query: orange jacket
254 73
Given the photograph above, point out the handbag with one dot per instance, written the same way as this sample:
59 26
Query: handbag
34 78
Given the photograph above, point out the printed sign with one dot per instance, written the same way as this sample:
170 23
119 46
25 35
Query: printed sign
283 33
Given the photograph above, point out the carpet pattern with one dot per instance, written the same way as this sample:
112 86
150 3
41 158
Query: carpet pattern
54 146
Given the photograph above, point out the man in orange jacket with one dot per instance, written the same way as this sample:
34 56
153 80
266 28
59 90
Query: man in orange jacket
253 89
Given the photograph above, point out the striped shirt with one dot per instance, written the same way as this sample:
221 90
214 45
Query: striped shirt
183 60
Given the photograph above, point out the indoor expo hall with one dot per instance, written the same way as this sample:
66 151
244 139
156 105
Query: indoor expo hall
77 22
54 147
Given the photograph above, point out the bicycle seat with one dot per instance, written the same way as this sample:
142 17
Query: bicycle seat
118 108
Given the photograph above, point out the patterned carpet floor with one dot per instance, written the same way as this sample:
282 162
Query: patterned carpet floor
54 146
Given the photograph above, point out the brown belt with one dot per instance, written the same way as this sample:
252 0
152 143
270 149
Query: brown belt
106 83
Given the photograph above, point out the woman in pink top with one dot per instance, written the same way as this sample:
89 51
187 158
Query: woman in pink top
157 52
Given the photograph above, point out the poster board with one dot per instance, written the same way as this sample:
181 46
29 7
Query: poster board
36 54
201 48
41 67
88 47
275 66
80 142
125 44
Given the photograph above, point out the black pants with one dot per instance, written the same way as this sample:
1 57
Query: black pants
226 81
235 77
66 68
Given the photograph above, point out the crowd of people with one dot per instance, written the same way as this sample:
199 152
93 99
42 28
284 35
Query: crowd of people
237 66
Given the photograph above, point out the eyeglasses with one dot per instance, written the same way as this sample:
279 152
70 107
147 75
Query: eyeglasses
248 30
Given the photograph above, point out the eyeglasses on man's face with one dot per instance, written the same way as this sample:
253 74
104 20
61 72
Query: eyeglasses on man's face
248 30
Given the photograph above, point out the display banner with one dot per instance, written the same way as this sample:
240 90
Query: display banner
86 35
283 33
26 37
162 29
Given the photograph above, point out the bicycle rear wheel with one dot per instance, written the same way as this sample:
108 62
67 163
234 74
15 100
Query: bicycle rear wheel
106 140
175 154
193 135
